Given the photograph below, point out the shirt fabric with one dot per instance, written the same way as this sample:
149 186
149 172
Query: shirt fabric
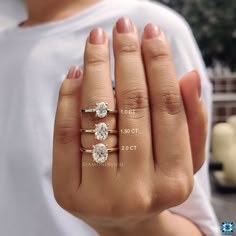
33 63
11 12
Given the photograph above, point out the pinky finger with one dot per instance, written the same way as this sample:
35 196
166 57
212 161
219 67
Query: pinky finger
66 171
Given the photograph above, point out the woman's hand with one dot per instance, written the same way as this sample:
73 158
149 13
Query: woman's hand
161 125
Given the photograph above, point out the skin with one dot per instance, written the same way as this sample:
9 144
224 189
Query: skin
52 10
132 198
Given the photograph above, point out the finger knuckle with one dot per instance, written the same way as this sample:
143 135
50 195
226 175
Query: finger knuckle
136 99
66 132
140 202
170 102
96 57
158 52
178 188
159 56
68 90
128 46
183 187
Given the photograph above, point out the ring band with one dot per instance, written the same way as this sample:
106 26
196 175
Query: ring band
110 131
91 150
99 152
94 110
101 110
101 131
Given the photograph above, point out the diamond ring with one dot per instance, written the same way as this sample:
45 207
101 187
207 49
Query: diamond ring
101 110
101 131
99 152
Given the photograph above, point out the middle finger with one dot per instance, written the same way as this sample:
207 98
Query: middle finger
132 99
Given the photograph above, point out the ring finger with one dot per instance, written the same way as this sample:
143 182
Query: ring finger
97 88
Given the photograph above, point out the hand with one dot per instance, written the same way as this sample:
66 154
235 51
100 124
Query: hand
134 186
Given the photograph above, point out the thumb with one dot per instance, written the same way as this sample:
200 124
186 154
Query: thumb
190 86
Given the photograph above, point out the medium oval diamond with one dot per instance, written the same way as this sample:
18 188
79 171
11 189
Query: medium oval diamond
101 131
100 153
101 109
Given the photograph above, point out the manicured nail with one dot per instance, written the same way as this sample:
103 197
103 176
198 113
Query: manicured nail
97 36
151 31
198 80
74 73
124 25
77 74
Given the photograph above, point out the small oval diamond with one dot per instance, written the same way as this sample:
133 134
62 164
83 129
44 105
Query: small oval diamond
100 153
101 131
101 109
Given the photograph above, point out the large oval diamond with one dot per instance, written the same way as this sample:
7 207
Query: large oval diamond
100 153
101 131
101 109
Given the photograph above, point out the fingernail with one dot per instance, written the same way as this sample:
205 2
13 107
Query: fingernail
97 36
151 31
124 25
74 73
199 88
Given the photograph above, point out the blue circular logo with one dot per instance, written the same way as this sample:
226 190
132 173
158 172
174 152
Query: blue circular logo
227 227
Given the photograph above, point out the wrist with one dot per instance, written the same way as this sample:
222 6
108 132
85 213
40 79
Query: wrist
164 224
153 225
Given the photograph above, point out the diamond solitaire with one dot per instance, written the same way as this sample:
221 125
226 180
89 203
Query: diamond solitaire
100 153
101 131
101 109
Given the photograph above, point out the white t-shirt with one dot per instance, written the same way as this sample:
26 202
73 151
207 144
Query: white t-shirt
11 11
33 63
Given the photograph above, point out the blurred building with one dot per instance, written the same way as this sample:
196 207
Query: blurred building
224 97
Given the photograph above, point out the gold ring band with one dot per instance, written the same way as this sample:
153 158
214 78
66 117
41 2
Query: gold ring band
92 151
92 131
94 110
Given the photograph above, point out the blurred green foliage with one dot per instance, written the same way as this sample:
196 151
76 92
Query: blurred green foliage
214 25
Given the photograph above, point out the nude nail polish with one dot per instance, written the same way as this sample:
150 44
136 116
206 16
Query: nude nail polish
151 31
74 73
97 36
124 25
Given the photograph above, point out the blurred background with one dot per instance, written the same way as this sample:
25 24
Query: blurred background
214 26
